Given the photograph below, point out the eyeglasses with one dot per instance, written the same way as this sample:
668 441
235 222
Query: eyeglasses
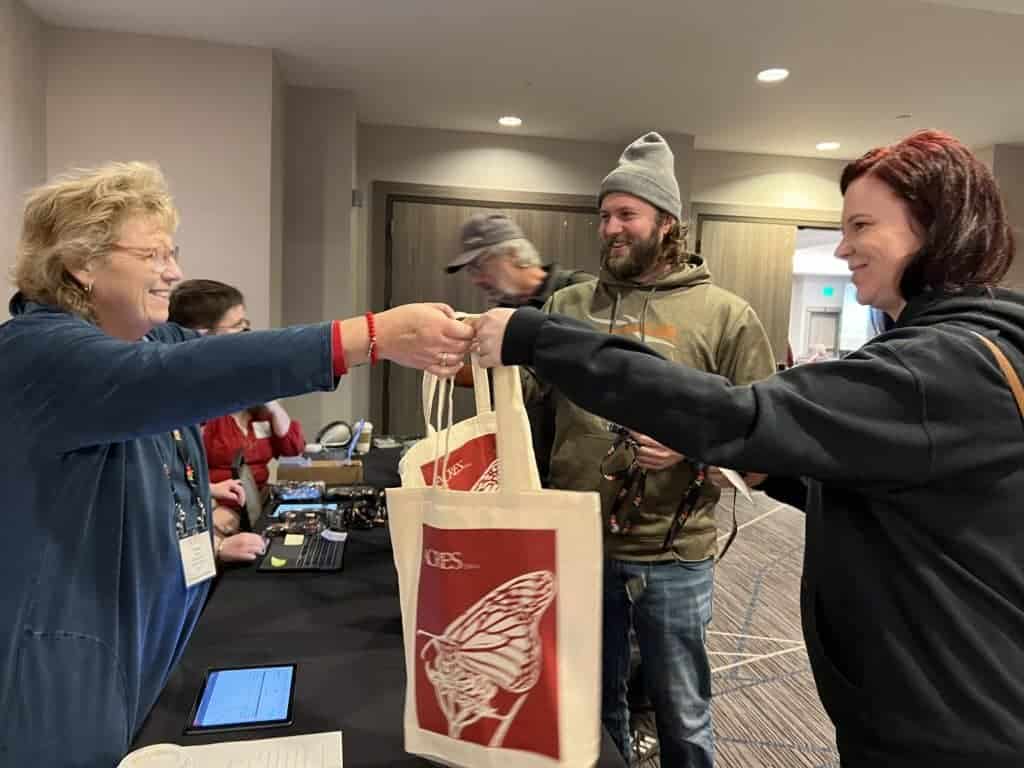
241 326
158 259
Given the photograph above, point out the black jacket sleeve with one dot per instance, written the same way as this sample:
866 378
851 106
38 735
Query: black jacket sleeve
841 421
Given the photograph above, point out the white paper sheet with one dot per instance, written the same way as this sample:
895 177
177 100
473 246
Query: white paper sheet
314 750
738 482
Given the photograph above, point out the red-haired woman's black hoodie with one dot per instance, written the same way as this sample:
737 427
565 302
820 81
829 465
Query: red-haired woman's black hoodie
913 583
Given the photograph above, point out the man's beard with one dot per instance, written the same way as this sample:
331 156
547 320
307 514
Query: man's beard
639 257
500 292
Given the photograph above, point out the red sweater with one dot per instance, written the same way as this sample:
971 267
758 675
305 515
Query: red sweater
223 439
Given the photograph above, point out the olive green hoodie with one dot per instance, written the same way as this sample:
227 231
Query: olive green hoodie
688 320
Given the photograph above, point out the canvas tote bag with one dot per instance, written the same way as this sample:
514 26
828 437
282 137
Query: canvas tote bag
501 608
471 444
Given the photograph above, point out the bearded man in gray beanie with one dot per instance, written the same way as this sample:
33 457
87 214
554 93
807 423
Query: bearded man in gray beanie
660 535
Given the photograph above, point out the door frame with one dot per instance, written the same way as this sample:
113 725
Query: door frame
810 312
384 195
701 212
756 214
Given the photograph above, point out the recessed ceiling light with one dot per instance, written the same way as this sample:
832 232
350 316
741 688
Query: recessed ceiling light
775 75
827 146
510 121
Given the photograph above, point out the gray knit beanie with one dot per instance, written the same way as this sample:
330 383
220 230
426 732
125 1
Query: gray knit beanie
647 170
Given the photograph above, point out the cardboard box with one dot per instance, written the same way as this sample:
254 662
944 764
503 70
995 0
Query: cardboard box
331 472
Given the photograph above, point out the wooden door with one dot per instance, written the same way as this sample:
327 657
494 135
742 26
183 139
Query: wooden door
755 261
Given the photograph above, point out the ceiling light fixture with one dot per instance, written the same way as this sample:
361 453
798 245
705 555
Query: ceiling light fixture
774 75
827 146
510 121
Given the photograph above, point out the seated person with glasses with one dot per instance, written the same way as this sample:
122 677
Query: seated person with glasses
260 433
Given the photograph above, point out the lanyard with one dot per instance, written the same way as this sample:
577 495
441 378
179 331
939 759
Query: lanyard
634 482
630 495
687 505
180 516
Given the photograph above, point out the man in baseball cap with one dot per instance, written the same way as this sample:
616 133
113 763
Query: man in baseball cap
503 263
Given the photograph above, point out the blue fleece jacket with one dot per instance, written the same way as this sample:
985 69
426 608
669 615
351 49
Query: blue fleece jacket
94 608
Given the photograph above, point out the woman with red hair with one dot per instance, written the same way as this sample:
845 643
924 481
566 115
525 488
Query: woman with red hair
913 586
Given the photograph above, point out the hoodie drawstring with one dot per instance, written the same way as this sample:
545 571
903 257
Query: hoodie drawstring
643 314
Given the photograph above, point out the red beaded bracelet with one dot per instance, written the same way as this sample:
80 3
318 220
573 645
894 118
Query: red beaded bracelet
371 330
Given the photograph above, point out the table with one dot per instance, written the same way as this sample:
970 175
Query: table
344 631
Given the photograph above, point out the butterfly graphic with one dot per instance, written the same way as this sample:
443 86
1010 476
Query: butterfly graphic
492 647
488 481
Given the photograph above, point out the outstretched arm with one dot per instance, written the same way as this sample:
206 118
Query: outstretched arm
825 421
82 387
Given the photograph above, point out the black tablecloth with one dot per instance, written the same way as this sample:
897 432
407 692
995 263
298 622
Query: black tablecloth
344 631
380 467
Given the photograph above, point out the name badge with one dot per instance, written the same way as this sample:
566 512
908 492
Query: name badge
261 429
197 563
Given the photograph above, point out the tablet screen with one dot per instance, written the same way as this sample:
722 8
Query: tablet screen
248 697
300 508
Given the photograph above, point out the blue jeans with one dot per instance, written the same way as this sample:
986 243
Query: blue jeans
669 608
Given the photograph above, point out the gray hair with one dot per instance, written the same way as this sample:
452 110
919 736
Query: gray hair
522 249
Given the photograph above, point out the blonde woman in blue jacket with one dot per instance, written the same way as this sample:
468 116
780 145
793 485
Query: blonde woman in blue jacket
108 564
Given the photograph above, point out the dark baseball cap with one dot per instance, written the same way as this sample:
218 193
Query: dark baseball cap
483 231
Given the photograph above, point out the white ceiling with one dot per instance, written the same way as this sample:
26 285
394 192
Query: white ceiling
609 70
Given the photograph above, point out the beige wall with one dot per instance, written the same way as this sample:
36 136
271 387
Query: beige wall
497 161
1008 166
482 160
766 180
203 112
278 136
321 276
987 155
22 125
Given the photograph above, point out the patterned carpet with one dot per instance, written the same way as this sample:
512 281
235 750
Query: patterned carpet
766 709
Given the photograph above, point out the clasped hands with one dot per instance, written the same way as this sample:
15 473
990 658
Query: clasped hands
431 337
